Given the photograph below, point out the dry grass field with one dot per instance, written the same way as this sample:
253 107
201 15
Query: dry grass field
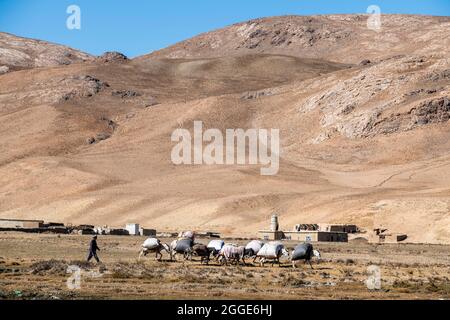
35 267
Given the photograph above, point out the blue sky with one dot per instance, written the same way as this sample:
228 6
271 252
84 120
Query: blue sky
137 27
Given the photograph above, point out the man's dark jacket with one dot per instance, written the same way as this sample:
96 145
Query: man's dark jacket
93 246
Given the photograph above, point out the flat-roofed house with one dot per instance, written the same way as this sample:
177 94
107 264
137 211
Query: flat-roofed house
21 224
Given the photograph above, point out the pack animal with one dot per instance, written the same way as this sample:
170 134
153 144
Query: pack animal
252 249
304 251
272 251
202 251
182 246
154 245
231 254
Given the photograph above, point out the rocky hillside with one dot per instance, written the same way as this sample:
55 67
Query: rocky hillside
18 53
341 38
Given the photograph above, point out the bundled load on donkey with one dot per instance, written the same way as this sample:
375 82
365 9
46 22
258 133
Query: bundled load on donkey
272 251
231 253
187 235
304 251
154 245
253 247
215 246
151 243
184 245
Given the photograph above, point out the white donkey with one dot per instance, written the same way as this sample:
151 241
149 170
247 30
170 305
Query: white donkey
272 251
231 253
154 245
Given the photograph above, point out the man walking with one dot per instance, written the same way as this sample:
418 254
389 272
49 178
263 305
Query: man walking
93 250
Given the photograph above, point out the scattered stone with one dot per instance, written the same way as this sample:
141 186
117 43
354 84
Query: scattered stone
258 33
348 109
420 91
279 38
365 62
112 56
102 136
4 69
436 76
430 112
99 137
151 102
414 93
125 94
435 111
111 124
83 86
255 95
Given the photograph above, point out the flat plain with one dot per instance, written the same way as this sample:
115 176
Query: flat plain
35 267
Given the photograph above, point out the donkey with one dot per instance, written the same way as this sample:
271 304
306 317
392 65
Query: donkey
182 246
252 249
215 246
272 251
231 253
202 251
305 252
157 249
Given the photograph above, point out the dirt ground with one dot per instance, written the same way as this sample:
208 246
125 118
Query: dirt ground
36 267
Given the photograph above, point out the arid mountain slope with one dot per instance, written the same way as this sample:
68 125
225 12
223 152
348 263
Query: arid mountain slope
342 38
360 143
18 53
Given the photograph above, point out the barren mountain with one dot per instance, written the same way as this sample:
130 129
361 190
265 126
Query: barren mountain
18 53
342 38
363 119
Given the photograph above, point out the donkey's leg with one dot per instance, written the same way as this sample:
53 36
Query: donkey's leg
310 264
188 255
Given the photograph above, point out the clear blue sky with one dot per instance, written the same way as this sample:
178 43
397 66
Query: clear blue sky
137 27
